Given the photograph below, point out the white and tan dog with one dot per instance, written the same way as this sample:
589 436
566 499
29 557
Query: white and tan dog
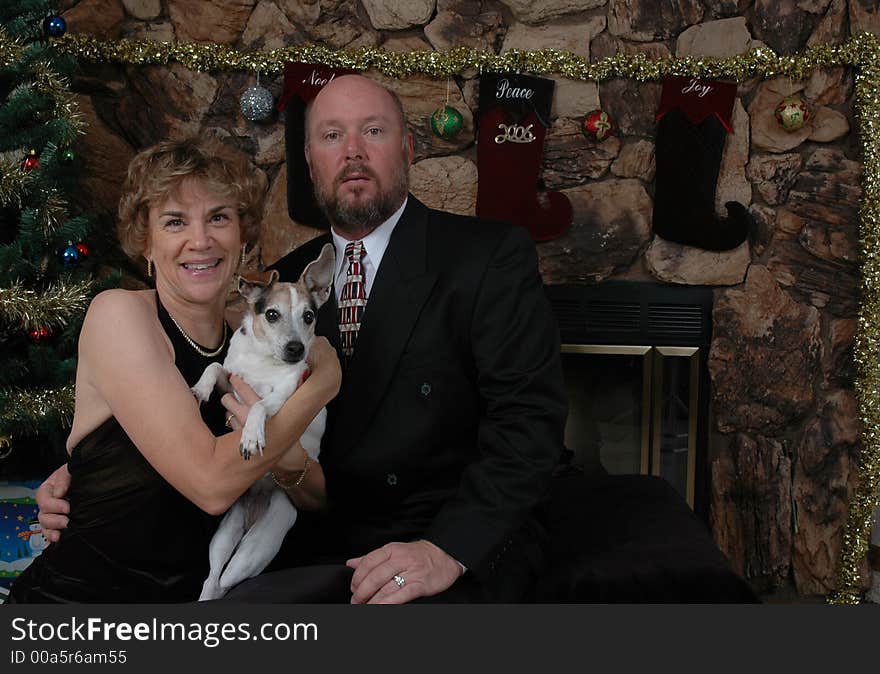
269 352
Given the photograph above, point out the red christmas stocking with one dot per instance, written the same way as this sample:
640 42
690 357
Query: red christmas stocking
514 116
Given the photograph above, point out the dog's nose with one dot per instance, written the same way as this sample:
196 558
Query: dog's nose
293 351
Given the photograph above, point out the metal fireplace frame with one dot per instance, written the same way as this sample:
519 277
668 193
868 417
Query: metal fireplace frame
655 322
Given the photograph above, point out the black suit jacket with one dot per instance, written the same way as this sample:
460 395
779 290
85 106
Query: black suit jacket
451 414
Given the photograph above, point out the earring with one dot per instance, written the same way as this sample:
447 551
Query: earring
242 261
149 268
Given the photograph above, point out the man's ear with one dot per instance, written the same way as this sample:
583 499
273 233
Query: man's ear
308 155
253 284
410 148
318 275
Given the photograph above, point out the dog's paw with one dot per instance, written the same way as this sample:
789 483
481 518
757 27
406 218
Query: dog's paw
203 388
253 440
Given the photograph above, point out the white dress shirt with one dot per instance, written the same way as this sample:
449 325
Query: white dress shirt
375 244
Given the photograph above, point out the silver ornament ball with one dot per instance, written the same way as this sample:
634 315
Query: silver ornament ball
257 104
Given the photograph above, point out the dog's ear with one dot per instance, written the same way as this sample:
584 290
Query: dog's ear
252 284
318 275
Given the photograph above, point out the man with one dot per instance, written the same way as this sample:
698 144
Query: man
451 414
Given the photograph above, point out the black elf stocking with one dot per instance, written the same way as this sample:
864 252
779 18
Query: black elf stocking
514 115
694 119
302 82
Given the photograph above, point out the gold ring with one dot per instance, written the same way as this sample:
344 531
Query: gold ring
229 418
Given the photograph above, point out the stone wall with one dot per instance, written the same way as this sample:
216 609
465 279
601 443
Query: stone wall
785 418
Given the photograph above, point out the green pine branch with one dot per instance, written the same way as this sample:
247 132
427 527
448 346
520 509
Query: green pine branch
24 106
23 19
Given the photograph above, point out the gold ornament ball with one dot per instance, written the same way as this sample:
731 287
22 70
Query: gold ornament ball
792 113
5 446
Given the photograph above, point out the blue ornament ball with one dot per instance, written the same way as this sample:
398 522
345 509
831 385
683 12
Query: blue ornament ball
54 26
70 255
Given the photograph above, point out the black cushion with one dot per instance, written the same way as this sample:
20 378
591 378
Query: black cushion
631 539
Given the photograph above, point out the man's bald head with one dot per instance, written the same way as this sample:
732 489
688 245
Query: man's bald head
345 82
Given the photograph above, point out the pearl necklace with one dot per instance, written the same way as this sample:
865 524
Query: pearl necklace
200 350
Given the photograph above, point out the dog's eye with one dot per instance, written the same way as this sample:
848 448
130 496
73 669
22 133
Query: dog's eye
309 317
272 315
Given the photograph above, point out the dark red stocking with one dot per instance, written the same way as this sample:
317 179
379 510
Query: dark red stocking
510 146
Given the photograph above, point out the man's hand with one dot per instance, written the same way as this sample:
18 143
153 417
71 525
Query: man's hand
53 507
425 569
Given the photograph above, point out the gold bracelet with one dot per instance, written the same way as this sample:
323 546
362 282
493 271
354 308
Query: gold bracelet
289 484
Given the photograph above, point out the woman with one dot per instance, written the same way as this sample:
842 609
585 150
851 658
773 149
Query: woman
150 471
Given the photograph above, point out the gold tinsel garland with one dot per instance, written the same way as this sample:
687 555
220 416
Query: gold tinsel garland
14 182
47 81
22 409
867 340
861 52
216 57
55 86
50 215
50 308
10 50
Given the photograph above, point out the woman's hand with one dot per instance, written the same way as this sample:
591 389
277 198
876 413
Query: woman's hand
237 412
324 367
292 461
307 489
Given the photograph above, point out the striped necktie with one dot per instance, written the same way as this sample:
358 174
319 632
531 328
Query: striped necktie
353 298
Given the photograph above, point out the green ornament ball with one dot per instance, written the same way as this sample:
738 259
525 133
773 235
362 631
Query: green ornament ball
446 122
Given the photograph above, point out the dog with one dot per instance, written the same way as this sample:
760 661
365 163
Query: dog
269 352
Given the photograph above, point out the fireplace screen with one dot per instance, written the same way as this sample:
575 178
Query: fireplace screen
634 409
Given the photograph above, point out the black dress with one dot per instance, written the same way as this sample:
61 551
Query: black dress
131 537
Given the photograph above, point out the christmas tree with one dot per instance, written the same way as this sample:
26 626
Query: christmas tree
46 265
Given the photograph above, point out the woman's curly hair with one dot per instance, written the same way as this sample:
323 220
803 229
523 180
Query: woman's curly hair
157 171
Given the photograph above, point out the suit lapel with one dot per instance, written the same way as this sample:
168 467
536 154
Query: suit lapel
328 324
397 296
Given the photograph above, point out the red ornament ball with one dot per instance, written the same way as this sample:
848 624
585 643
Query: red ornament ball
83 249
39 335
597 124
31 162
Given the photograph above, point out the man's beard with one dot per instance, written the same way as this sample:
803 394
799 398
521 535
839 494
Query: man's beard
365 215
